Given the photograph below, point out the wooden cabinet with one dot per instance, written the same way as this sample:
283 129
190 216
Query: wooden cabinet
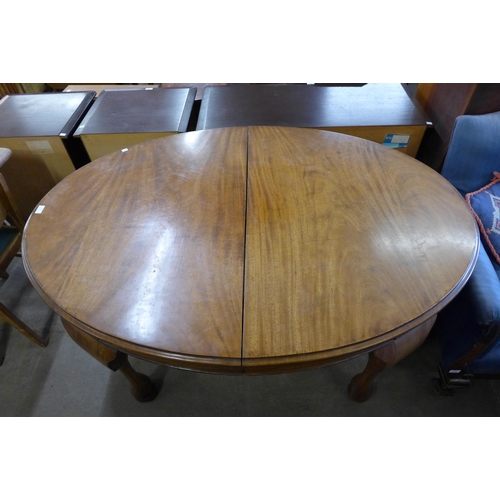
377 112
119 119
37 129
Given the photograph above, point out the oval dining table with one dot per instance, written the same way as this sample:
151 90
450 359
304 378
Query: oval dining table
250 250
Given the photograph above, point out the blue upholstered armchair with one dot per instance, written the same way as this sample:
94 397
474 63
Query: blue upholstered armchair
468 329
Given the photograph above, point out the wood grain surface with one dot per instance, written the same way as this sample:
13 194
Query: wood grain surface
144 249
346 242
251 249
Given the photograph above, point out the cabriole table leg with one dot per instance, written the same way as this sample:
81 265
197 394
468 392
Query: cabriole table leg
361 386
141 386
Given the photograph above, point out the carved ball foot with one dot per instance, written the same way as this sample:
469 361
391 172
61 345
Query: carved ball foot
145 391
361 387
358 390
141 386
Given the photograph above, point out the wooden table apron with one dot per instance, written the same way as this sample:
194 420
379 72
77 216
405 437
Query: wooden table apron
251 249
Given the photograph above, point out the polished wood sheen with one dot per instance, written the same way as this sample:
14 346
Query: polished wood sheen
348 245
252 250
149 247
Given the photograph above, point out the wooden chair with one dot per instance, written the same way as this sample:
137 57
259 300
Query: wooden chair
11 233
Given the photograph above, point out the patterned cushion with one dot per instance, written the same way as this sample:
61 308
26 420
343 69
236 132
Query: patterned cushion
485 205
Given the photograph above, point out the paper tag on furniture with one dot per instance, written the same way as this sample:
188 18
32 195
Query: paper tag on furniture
40 147
396 141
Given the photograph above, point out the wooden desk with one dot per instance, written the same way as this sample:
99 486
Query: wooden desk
371 112
38 129
251 250
121 118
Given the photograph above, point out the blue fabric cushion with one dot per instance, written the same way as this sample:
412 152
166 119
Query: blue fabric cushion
474 152
465 319
7 234
484 288
485 205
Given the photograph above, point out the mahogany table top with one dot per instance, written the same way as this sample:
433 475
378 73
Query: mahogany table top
250 249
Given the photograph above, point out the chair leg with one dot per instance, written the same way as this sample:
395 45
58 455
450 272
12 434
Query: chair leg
14 321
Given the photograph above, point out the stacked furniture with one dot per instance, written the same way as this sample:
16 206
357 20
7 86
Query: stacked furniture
382 113
122 118
38 129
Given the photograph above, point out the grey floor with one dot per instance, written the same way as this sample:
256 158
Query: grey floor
63 380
